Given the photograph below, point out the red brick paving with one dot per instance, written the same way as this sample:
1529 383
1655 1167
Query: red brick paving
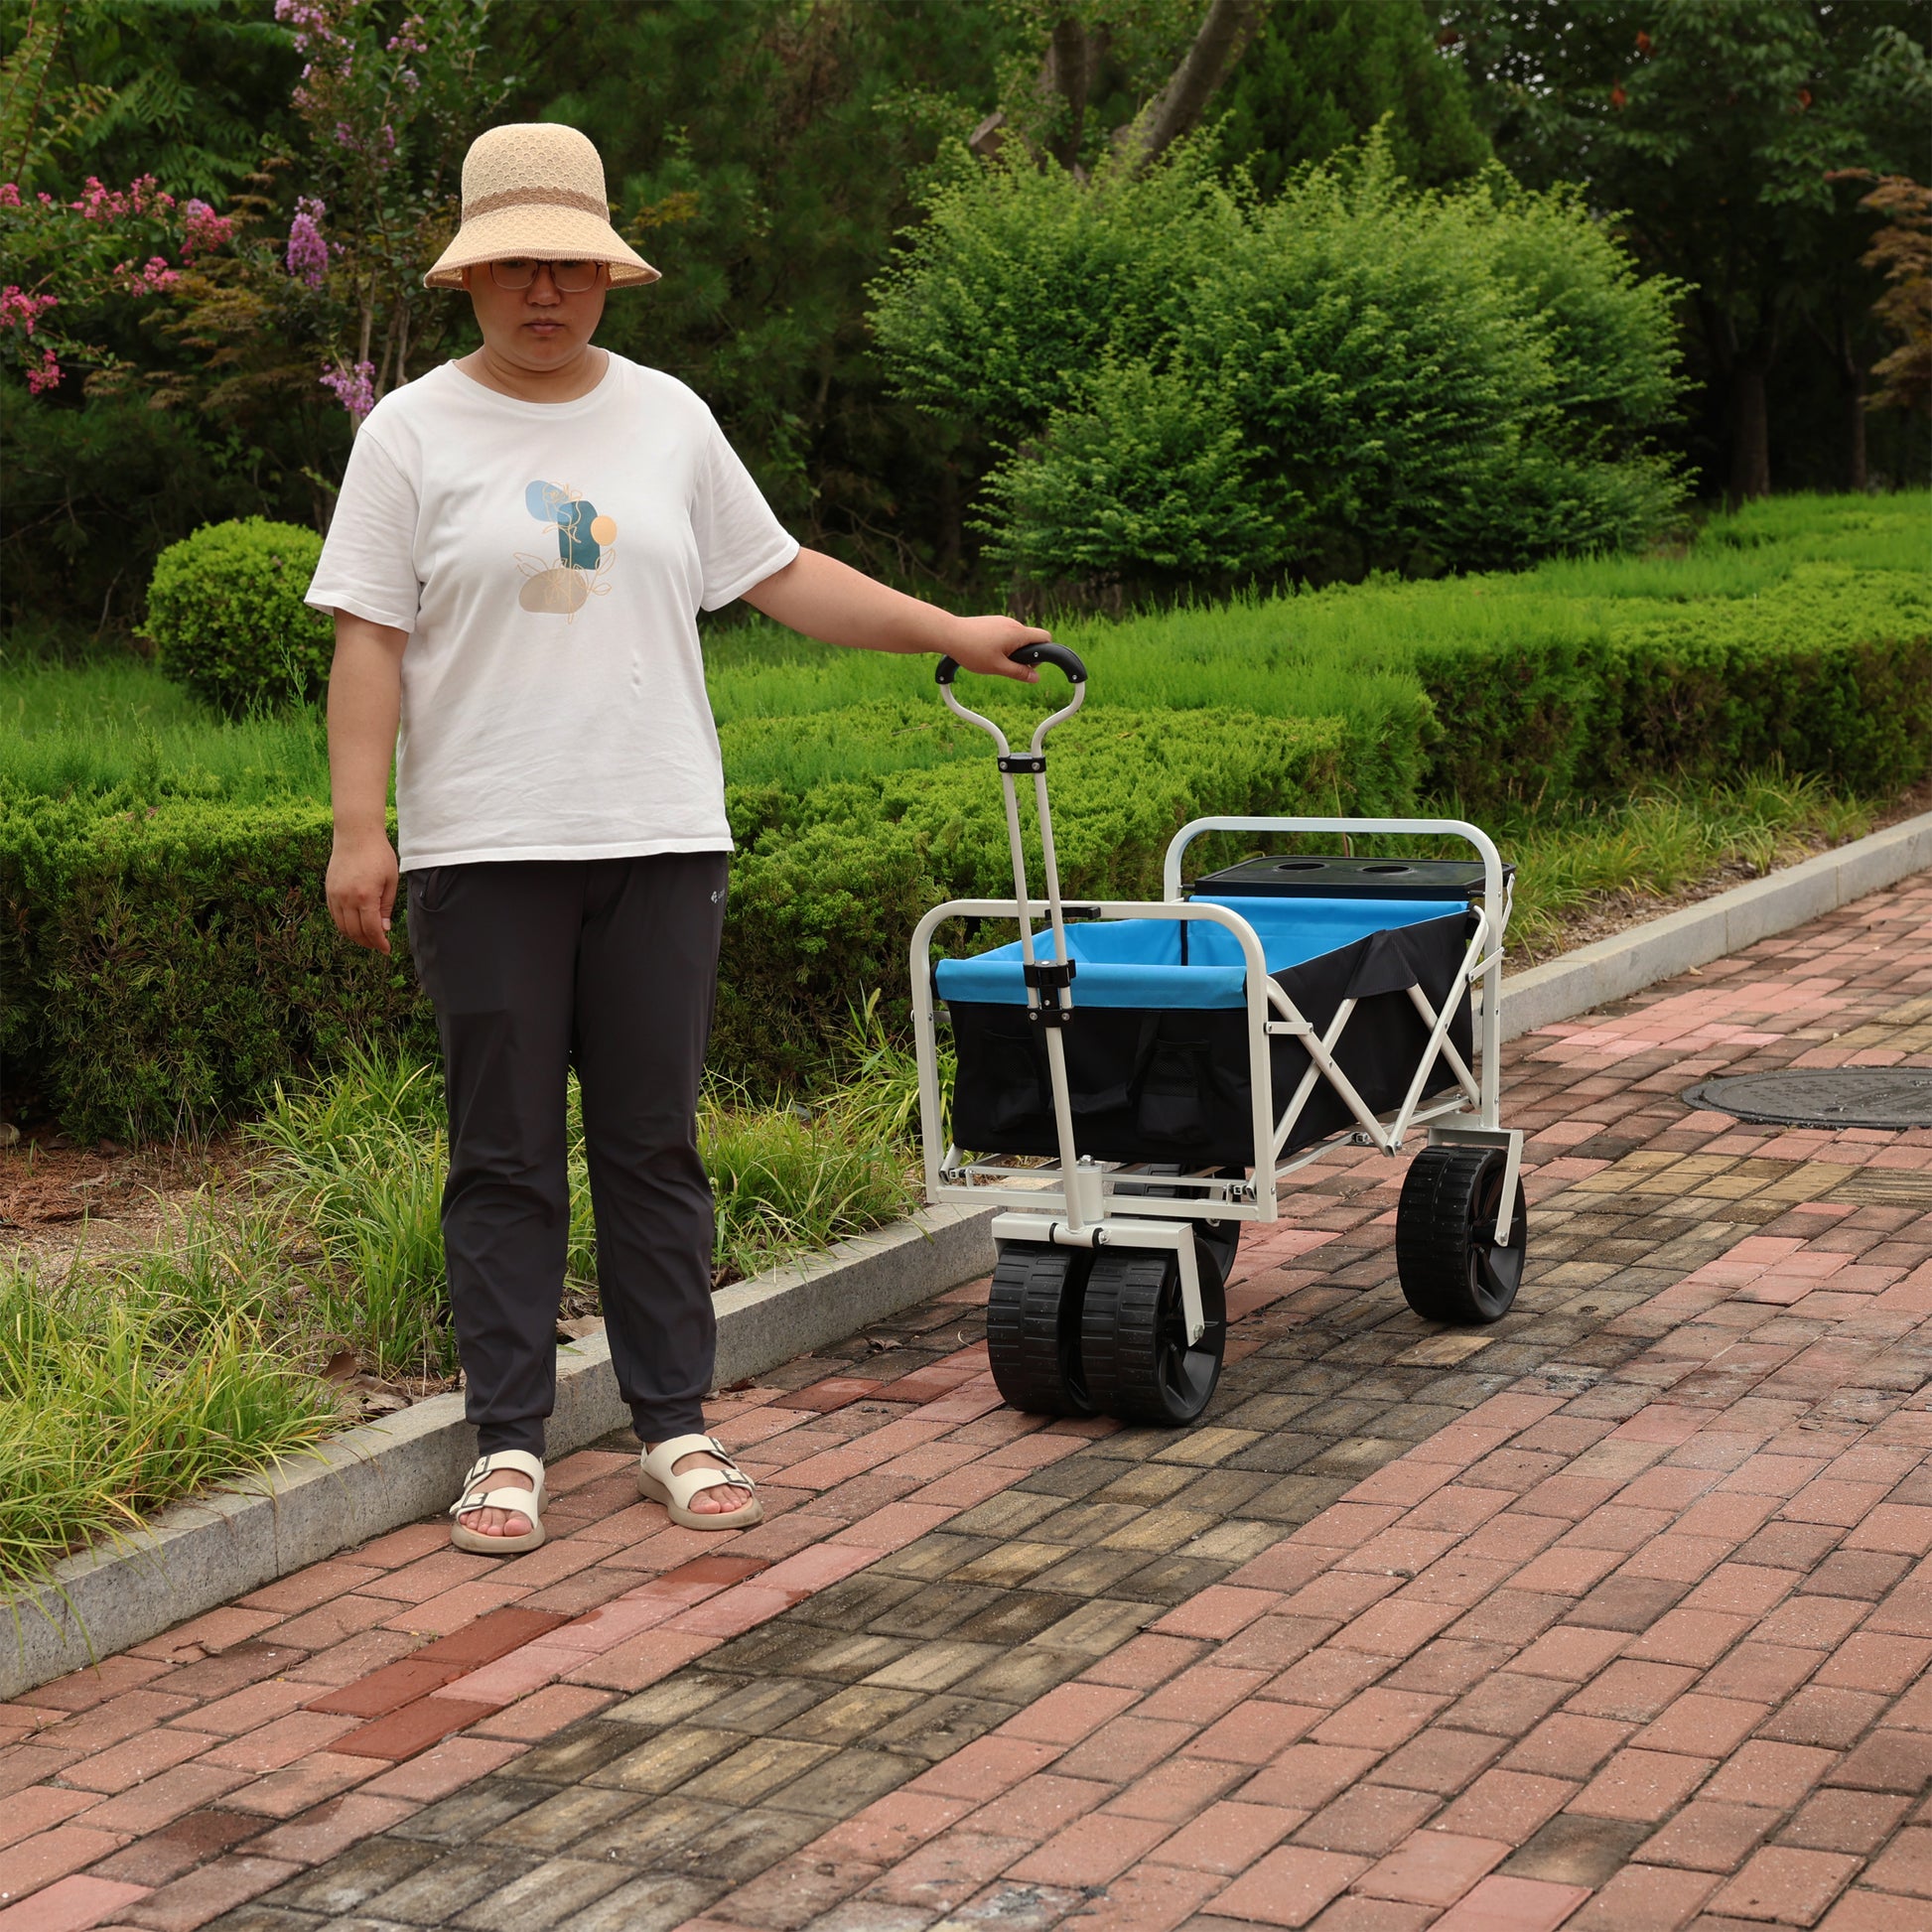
1625 1647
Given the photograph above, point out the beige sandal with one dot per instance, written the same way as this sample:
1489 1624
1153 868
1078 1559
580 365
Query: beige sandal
660 1480
478 1494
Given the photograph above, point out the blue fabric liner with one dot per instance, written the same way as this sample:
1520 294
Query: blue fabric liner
1138 962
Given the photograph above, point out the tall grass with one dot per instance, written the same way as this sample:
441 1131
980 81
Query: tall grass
116 728
358 1163
1609 858
126 1385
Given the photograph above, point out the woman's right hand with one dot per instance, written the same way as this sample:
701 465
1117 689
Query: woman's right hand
361 888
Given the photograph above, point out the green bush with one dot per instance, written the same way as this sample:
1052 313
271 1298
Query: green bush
1351 376
164 967
227 620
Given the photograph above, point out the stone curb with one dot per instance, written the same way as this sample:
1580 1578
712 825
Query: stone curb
379 1475
1628 962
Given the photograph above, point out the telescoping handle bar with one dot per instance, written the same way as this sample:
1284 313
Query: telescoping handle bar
1049 983
1053 1012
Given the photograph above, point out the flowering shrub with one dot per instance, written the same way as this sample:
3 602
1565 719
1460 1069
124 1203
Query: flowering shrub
106 247
388 116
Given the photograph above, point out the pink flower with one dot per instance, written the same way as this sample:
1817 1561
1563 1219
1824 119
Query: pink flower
307 258
47 377
98 203
19 309
203 229
150 278
9 194
353 388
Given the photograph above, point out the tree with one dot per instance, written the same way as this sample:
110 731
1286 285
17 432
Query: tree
1904 252
1323 72
1713 124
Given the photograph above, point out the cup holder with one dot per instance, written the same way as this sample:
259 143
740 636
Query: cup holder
1302 865
1388 868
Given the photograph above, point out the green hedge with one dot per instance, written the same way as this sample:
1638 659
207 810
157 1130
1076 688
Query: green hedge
1830 673
165 966
164 958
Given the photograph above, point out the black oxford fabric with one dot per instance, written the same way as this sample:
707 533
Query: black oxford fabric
1172 1086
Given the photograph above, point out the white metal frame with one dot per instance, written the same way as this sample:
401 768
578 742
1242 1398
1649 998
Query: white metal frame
1077 1202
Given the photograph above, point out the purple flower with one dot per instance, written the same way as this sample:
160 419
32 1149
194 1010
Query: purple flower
353 388
306 259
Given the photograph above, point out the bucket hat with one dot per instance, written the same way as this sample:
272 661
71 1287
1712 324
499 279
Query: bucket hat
536 188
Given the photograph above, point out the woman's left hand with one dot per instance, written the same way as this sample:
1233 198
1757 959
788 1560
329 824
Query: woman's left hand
986 644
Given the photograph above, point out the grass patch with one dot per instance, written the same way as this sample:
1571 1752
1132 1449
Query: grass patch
1595 859
116 729
129 1384
356 1164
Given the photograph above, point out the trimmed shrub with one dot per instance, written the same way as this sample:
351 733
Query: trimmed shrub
226 616
173 963
1829 673
165 955
1352 376
166 967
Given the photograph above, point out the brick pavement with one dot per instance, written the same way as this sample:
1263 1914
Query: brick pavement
1611 1616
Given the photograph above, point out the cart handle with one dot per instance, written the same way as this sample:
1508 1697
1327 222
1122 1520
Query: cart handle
1076 675
1068 661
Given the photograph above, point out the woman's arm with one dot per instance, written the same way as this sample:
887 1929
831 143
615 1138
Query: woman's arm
838 604
364 706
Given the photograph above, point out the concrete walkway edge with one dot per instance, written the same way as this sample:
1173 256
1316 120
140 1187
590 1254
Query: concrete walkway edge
378 1477
1660 949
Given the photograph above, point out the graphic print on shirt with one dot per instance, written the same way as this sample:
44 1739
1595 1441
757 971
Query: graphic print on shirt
586 543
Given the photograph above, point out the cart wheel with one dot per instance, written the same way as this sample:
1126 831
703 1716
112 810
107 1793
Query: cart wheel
1215 1245
1445 1248
1217 1242
1134 1337
1033 1328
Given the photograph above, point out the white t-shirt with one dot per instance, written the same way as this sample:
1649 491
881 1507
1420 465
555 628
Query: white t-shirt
548 561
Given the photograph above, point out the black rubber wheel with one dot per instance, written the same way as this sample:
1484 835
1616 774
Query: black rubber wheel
1445 1248
1217 1242
1033 1328
1134 1337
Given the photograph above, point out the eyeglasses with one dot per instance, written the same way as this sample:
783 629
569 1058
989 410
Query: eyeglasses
571 278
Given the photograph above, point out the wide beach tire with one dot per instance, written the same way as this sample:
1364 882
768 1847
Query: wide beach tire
1033 1328
1445 1250
1133 1346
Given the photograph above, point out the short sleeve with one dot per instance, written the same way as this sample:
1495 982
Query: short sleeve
368 565
739 542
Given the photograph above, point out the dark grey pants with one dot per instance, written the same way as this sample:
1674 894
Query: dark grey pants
610 966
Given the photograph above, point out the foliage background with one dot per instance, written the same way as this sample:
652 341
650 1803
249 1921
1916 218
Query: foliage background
766 153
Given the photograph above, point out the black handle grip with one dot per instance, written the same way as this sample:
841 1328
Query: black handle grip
1068 661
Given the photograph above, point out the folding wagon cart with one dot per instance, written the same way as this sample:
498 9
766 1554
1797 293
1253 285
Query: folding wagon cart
1151 1082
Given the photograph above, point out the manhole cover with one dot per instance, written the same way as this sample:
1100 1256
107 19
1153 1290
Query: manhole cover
1838 1096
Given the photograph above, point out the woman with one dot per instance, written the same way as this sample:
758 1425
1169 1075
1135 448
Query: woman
523 542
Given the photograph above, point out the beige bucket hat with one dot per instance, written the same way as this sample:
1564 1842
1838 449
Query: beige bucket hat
536 188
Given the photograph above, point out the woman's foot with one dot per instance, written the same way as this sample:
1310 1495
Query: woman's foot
723 1500
698 1483
499 1522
